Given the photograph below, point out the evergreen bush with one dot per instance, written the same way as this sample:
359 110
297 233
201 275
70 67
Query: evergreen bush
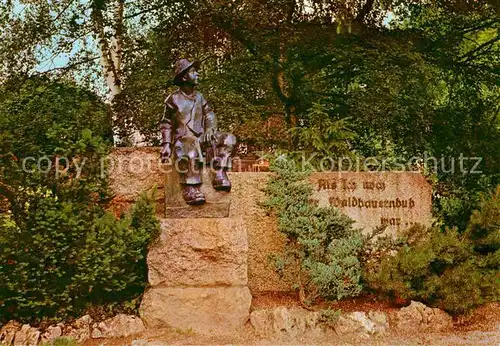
66 257
61 252
320 242
448 269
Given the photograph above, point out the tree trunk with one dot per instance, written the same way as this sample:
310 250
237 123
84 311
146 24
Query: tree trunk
110 59
111 52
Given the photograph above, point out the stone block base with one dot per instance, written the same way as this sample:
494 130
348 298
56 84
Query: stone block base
207 210
201 309
199 253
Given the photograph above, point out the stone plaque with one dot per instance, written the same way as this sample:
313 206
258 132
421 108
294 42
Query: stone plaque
397 200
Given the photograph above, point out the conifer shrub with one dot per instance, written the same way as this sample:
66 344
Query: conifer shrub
61 252
320 242
65 258
447 269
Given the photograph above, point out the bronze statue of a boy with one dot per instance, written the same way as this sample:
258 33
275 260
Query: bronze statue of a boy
189 129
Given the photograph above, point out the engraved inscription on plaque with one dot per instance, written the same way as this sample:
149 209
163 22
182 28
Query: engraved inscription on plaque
396 200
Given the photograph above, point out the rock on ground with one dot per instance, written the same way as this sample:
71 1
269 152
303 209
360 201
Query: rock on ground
293 322
27 336
52 333
375 323
261 320
419 316
297 322
8 332
82 329
119 326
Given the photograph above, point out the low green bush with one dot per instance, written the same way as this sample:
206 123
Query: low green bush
320 242
66 257
448 269
60 251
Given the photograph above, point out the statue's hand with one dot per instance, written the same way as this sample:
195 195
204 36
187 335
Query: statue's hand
208 136
166 152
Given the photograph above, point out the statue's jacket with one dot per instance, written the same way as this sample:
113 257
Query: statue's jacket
185 120
187 115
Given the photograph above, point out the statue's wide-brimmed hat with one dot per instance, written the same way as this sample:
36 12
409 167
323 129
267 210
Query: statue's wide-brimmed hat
181 67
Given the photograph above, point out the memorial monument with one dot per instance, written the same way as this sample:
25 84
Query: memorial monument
189 132
197 269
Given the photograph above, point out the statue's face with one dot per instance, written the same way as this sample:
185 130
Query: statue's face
191 76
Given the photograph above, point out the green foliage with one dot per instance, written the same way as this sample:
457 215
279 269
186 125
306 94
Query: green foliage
379 246
322 134
61 341
60 251
44 117
484 225
66 256
321 243
453 271
456 196
329 317
42 121
463 46
427 82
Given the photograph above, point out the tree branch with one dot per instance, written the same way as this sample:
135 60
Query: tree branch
472 54
155 8
291 10
220 22
276 84
480 26
63 10
70 66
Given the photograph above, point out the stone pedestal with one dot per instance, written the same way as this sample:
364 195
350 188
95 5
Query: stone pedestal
217 202
198 274
201 309
200 252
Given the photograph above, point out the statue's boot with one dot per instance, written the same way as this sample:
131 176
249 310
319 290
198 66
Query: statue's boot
221 181
192 194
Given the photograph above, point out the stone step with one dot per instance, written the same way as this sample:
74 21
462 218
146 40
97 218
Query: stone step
199 252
